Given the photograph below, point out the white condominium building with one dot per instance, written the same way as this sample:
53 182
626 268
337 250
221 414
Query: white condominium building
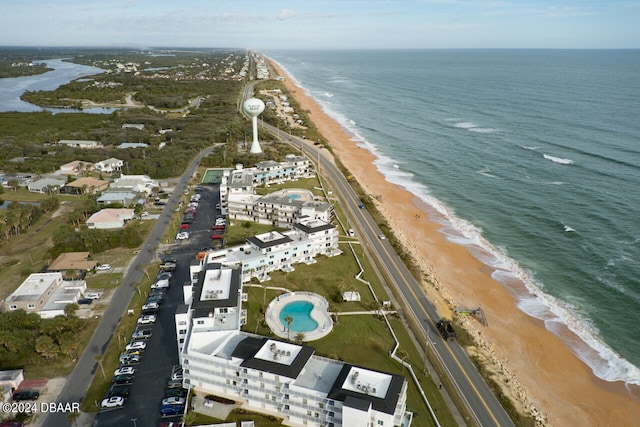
274 250
271 376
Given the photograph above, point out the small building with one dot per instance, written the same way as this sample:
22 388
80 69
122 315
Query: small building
46 294
122 197
79 143
84 185
132 145
11 378
46 185
138 183
78 262
77 167
351 296
109 165
110 218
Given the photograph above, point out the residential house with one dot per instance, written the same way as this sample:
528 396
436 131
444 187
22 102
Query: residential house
132 145
46 185
110 218
46 294
137 183
76 262
122 197
84 185
79 143
110 165
77 167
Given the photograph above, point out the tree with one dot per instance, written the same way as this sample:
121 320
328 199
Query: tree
299 338
46 347
289 321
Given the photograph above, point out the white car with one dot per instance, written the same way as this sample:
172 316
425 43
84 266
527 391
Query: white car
94 295
143 214
136 345
183 235
150 306
147 319
125 370
113 402
160 284
173 401
103 267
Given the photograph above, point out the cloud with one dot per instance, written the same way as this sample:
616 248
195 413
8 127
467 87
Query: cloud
286 14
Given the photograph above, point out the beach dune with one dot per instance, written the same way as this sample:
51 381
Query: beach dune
536 368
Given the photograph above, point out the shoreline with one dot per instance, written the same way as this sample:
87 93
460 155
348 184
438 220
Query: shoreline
535 368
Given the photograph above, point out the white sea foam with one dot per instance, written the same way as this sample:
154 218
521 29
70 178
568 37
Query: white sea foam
568 229
604 362
328 94
465 125
558 159
484 130
532 148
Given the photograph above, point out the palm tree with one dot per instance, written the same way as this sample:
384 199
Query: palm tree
289 321
299 338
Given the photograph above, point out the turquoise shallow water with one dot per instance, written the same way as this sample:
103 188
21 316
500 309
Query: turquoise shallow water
533 157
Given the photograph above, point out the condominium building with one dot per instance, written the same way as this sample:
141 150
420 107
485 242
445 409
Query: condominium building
282 208
271 376
274 250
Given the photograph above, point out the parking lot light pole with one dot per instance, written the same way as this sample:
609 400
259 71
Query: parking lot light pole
133 420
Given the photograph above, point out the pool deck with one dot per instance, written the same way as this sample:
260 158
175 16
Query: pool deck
319 314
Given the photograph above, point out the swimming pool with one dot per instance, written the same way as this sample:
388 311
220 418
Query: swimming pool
300 311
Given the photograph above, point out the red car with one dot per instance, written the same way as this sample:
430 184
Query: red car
218 227
184 226
216 236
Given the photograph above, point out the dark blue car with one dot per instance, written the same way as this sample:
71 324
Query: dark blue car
171 410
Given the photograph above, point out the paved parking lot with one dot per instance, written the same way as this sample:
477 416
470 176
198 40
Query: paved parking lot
154 369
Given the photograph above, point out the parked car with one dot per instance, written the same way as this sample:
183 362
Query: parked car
118 390
168 258
157 299
160 284
175 392
174 384
139 345
122 379
94 295
183 235
173 401
184 226
134 352
150 306
103 267
142 334
85 301
26 395
125 370
112 402
150 311
147 319
171 410
129 359
218 227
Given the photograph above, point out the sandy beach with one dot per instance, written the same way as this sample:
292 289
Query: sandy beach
537 369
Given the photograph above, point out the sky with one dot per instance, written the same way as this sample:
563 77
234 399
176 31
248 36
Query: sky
322 24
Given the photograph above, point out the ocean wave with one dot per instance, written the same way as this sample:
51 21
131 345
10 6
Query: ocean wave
486 172
328 94
558 159
531 148
568 229
604 362
483 130
465 125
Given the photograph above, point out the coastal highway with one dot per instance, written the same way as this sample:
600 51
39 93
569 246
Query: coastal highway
481 402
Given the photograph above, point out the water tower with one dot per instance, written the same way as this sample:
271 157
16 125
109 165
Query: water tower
254 107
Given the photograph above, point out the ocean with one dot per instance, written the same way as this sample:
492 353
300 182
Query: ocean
533 158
